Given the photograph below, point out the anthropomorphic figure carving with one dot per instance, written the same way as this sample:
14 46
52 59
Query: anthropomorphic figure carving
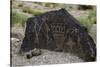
72 41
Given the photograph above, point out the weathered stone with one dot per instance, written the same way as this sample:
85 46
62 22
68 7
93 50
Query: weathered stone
34 52
58 30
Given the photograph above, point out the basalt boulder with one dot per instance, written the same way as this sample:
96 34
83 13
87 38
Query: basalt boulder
58 31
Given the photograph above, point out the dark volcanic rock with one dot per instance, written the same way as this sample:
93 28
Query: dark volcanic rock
55 29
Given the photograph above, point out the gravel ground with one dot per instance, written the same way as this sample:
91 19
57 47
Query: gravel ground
47 57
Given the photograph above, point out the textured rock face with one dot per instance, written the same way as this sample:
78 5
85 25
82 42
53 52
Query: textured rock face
58 30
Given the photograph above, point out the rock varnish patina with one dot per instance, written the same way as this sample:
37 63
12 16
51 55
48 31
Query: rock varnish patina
58 31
